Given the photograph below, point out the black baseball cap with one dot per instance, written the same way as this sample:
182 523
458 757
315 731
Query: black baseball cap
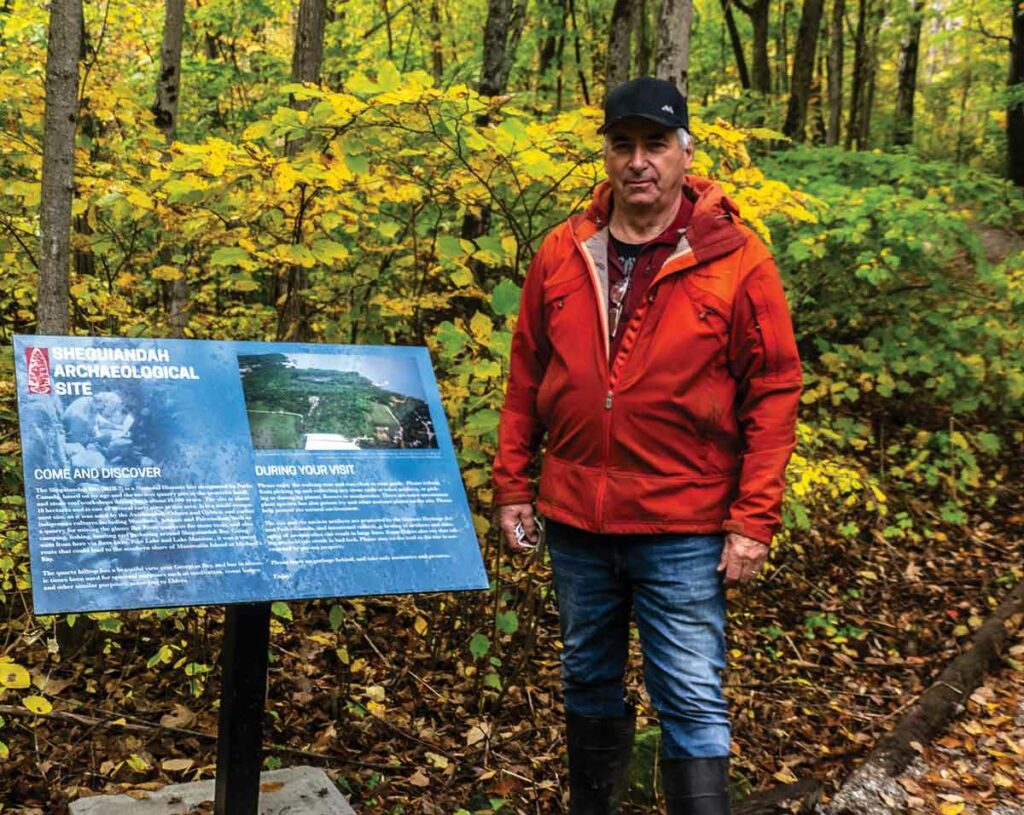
647 98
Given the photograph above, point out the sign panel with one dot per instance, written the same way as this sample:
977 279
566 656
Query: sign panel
186 472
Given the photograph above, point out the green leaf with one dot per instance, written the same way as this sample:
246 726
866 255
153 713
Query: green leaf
505 298
492 680
507 622
449 247
479 645
281 610
452 337
336 616
483 421
228 256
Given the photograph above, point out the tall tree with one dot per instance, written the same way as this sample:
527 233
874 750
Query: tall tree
308 51
876 15
63 50
737 44
307 58
757 11
620 28
436 54
910 46
165 112
803 69
859 80
641 28
502 31
836 57
165 108
672 59
1015 109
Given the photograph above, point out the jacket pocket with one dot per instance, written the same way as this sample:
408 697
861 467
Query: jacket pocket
555 294
764 327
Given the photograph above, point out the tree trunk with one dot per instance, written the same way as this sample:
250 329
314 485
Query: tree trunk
502 32
859 71
307 57
493 76
876 13
757 11
903 126
308 53
64 45
672 61
436 54
817 100
643 39
1015 110
616 65
165 113
579 56
782 47
803 69
737 44
836 57
548 47
165 109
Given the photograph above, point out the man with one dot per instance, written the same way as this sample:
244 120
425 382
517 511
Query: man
654 351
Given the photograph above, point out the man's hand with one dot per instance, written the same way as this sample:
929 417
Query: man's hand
742 558
512 514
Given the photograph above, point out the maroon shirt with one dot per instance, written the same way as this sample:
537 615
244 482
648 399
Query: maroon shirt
649 260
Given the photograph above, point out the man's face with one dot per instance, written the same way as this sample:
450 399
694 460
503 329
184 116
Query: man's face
645 163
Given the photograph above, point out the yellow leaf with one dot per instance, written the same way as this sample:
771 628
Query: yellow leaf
166 273
13 676
138 763
377 709
951 809
37 704
420 626
438 761
481 327
785 776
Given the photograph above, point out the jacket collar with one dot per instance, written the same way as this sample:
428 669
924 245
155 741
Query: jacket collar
711 234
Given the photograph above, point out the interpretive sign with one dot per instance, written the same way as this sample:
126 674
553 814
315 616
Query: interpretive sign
186 472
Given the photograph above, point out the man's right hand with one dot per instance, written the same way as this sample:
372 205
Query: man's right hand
511 515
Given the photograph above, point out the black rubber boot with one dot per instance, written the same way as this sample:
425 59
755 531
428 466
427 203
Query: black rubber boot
696 786
599 751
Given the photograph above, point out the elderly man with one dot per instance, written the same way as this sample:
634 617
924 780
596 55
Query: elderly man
654 356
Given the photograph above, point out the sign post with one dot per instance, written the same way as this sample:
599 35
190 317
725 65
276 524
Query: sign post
242 696
166 473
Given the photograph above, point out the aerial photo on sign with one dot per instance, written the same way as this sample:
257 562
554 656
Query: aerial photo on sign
300 401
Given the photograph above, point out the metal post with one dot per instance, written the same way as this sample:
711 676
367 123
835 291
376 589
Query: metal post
242 700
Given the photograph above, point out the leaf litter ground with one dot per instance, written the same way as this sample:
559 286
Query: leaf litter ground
826 653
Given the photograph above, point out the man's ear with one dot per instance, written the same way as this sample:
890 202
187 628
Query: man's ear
688 157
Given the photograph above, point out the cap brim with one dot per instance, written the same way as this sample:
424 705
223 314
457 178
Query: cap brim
657 119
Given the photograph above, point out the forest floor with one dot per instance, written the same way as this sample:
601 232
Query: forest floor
827 651
977 765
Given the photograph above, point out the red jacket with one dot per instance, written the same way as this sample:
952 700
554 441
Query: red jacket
690 427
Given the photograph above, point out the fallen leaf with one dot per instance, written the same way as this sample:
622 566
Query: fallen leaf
176 765
418 779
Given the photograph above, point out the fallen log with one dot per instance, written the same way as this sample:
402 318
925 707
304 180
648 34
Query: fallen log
806 791
929 716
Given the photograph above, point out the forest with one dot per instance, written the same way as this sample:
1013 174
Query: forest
380 171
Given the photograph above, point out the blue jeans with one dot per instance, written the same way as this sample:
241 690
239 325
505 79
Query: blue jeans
679 599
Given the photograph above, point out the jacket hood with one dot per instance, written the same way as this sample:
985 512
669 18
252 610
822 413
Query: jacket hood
712 232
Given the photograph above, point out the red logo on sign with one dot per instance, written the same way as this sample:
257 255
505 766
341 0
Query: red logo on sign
38 370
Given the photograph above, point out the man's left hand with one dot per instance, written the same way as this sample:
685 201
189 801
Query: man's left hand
742 558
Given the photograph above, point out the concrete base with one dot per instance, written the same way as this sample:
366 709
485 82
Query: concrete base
305 790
